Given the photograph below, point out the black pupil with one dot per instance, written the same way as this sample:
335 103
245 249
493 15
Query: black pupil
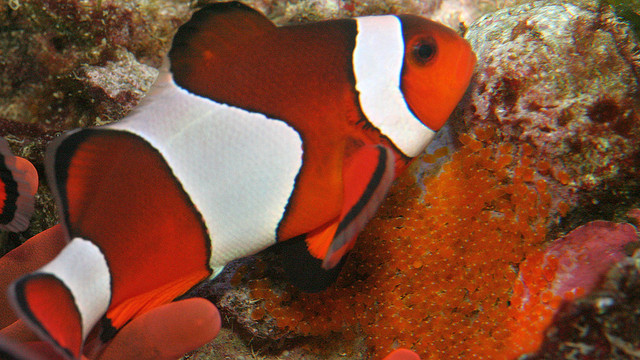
425 51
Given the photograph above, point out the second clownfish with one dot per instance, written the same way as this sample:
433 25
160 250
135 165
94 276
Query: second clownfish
252 135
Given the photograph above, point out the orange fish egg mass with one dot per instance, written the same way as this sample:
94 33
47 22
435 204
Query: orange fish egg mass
435 271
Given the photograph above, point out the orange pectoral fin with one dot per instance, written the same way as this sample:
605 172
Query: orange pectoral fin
313 261
319 240
367 178
48 305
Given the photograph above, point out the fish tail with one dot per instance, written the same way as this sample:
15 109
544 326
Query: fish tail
18 184
64 300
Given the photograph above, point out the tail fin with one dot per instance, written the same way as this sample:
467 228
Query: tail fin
64 300
18 184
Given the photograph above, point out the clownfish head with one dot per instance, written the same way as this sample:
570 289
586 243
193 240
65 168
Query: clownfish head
410 73
437 68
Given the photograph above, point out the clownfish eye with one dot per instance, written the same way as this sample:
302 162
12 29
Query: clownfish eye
424 49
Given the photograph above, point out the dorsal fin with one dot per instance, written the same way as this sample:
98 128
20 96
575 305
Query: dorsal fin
212 32
235 56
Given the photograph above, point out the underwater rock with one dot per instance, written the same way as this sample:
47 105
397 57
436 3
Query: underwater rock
115 88
565 80
249 293
586 254
289 12
634 215
68 64
629 11
234 295
602 325
45 44
569 268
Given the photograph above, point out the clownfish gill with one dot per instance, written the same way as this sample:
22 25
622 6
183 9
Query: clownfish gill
251 136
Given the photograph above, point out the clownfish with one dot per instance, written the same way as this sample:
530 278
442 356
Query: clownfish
252 135
18 185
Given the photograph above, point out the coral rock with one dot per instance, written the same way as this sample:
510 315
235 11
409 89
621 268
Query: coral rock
570 267
565 80
602 325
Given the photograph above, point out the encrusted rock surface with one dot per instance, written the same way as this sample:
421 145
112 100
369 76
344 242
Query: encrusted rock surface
67 64
602 325
569 268
564 79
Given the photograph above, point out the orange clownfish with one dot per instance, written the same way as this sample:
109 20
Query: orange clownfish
18 185
252 135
